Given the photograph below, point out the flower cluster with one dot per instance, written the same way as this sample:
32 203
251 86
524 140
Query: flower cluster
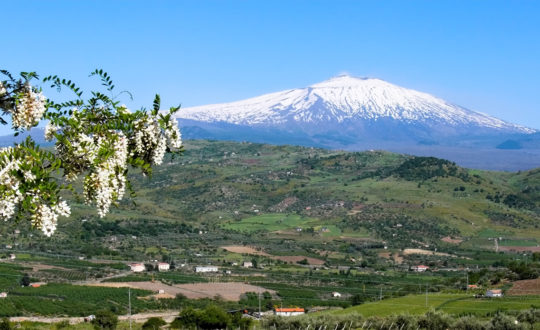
152 141
18 183
2 89
50 130
29 108
10 194
106 182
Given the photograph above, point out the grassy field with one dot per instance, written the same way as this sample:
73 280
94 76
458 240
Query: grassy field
270 222
460 304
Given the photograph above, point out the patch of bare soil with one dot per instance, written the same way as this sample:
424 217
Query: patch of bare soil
519 248
451 240
245 249
389 255
425 252
252 250
525 287
228 291
37 267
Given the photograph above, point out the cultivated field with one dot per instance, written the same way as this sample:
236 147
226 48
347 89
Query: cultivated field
254 251
244 249
228 291
425 252
525 287
449 303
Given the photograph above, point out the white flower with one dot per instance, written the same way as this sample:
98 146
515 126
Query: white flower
2 89
50 130
174 138
107 183
43 216
29 109
46 217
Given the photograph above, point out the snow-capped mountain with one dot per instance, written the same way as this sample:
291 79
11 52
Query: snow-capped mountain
364 113
346 99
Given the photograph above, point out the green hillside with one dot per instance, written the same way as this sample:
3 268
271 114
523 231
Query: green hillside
311 221
313 199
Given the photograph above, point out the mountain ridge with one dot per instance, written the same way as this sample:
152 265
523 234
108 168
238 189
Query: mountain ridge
345 98
357 114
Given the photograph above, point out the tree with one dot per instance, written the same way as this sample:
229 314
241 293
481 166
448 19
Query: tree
153 323
97 141
213 317
25 280
4 324
187 319
105 320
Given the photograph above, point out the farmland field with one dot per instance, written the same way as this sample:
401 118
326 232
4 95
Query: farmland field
270 222
450 303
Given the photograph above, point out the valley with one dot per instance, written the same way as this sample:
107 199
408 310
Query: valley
291 226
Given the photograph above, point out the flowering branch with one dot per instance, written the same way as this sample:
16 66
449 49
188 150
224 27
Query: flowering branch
96 140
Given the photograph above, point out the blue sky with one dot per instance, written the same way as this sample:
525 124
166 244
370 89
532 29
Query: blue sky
483 55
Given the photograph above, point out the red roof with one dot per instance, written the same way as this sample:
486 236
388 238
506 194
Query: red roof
294 309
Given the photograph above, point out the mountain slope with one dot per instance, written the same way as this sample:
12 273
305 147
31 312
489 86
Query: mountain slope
364 113
345 99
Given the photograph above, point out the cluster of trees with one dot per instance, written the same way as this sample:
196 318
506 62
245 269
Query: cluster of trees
211 317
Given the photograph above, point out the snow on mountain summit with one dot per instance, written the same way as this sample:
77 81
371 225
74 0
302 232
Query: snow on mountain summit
346 98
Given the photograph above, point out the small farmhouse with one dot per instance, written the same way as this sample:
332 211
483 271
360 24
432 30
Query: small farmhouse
206 269
247 264
336 294
494 293
163 266
420 268
137 267
3 294
289 311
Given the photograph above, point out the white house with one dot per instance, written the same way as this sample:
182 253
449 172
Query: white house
247 264
206 269
336 294
289 311
163 266
420 268
3 294
137 267
494 293
12 256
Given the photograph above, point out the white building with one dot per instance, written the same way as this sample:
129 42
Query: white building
247 264
163 266
206 269
420 268
137 267
494 293
336 294
289 311
3 294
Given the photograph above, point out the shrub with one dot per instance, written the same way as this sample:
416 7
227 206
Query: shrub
154 323
434 320
4 324
105 320
468 323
